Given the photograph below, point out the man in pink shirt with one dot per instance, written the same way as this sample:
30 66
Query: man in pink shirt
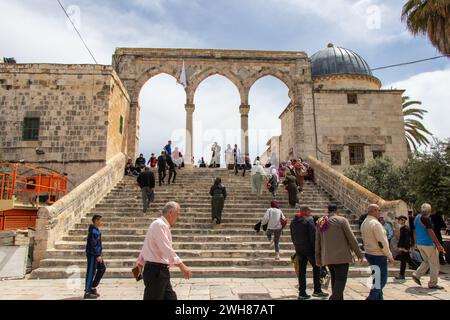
157 256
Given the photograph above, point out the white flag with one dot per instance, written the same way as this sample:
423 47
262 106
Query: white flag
183 79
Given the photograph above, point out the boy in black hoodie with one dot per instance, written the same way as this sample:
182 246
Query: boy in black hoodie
303 234
95 265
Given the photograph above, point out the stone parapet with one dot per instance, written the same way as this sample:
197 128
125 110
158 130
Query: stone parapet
55 221
352 195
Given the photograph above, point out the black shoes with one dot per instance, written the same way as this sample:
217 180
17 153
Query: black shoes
416 280
90 296
320 294
303 296
94 291
399 277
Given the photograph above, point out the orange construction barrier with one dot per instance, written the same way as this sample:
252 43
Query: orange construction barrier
23 190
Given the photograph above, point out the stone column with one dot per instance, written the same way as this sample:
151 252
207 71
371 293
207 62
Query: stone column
244 110
190 108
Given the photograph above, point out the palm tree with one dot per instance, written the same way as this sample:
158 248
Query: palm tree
415 132
430 17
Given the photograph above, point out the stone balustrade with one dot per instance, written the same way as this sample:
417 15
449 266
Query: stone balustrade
55 221
352 195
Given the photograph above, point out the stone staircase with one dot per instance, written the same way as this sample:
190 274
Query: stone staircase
234 250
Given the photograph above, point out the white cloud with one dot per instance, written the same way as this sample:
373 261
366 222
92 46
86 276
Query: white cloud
432 89
38 32
368 21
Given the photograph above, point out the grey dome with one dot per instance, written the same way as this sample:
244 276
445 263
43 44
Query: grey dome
335 60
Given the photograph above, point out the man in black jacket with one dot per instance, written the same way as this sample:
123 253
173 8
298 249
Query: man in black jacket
95 265
303 234
439 225
146 181
140 163
172 169
162 167
403 245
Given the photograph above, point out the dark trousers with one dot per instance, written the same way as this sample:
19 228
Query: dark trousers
276 240
157 283
302 263
162 175
379 267
172 173
338 273
94 273
404 258
148 196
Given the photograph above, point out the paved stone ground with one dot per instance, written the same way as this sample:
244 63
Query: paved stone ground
212 289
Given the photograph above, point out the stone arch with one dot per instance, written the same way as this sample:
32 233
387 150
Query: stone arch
198 79
283 77
149 74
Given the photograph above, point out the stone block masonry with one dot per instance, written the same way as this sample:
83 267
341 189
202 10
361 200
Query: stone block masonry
79 107
55 221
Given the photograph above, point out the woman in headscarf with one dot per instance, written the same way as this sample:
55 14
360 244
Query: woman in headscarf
300 173
258 175
272 218
282 169
290 167
229 158
291 185
218 193
272 185
176 157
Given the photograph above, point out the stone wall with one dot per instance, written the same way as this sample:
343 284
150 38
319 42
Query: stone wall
119 109
54 222
353 196
75 105
376 121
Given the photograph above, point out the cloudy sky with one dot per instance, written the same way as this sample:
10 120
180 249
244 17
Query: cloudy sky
37 31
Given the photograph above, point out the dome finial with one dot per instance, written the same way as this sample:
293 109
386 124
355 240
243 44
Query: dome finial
330 45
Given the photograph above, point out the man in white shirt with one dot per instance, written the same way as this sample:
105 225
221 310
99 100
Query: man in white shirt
376 247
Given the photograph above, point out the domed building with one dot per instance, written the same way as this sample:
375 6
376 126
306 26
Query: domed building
353 119
340 68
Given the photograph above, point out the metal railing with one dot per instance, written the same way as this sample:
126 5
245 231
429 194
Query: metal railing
26 184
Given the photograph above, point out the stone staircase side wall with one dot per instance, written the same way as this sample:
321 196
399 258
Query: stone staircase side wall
352 195
55 221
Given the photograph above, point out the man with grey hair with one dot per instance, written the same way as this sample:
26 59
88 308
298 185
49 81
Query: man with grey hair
427 243
376 247
157 256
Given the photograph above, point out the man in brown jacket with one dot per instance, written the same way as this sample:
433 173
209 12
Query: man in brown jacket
335 242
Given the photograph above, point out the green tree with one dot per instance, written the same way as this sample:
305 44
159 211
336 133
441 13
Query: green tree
428 177
430 17
415 132
425 177
379 176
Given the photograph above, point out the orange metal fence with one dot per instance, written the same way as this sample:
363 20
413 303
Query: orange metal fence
28 184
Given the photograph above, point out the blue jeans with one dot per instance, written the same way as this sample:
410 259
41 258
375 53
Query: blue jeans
380 263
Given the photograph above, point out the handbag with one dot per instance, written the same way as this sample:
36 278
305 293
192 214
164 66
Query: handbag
137 273
283 222
257 227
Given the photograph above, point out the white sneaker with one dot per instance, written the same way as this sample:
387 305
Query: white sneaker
277 257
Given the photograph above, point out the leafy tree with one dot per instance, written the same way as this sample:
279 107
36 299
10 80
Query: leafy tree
425 177
430 17
415 131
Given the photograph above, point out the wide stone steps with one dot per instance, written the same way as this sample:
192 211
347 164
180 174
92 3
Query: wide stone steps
233 250
203 272
194 262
